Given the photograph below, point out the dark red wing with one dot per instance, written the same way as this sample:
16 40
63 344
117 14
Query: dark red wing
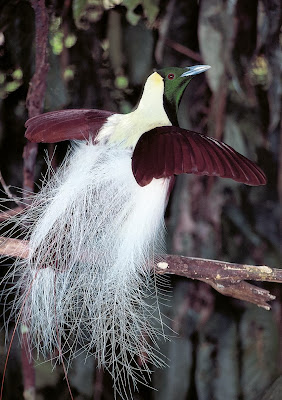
56 126
169 150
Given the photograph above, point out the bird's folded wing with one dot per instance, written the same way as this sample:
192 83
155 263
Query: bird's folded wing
169 150
56 126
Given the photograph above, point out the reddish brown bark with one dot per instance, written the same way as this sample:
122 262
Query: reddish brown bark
36 93
227 278
34 103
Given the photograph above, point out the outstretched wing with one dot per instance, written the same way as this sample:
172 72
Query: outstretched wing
169 150
56 126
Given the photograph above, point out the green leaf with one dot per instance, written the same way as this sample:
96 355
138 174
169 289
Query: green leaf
69 73
2 78
121 82
131 4
12 86
150 8
132 18
70 40
17 74
87 11
78 8
56 42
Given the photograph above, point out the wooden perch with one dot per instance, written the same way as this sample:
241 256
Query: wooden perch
13 247
227 278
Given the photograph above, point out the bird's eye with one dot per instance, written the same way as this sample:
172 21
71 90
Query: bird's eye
170 76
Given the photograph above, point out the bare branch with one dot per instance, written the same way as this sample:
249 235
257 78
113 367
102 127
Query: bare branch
13 247
184 50
36 92
227 278
7 190
4 215
219 271
34 103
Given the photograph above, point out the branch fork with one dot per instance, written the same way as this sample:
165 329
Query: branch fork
228 279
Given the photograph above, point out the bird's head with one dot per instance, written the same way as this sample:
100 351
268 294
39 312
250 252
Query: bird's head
175 81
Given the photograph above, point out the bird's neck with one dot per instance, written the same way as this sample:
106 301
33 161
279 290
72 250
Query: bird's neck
150 113
172 100
171 110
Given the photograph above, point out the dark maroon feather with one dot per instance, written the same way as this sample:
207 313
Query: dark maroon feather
169 157
57 126
216 161
145 168
159 158
224 164
181 151
253 170
188 163
152 162
212 163
233 160
140 171
178 154
197 159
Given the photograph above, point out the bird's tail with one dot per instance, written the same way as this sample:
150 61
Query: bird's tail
93 232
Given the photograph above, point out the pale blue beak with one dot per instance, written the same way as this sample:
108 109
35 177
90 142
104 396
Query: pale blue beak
197 69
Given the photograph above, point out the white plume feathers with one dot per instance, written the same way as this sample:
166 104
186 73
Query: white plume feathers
93 233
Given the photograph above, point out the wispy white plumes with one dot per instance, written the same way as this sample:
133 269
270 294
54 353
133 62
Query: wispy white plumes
93 233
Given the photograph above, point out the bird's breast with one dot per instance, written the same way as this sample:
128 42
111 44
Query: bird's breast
126 129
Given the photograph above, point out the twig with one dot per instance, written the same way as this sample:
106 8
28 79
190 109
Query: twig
4 215
218 107
29 373
184 50
13 247
227 278
36 92
7 190
220 271
34 103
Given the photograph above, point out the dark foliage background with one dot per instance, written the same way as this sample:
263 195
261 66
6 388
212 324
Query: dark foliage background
100 53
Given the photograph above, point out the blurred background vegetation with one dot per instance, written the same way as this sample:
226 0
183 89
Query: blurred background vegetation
100 53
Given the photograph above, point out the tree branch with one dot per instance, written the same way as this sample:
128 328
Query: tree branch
36 93
227 278
7 190
4 215
13 247
34 103
184 50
